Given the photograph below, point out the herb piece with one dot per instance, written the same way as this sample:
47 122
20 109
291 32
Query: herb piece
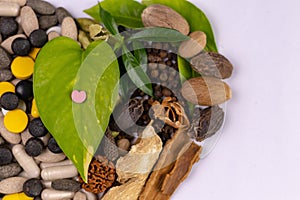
58 71
126 12
135 72
108 21
140 54
184 68
158 34
195 17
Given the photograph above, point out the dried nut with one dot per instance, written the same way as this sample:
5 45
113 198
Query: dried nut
69 28
124 144
212 64
29 20
97 32
101 175
206 122
163 16
9 9
206 91
194 45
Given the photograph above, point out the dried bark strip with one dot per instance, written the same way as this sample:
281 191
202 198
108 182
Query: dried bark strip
181 169
164 165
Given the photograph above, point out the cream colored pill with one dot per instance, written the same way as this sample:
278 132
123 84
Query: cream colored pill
59 172
25 161
9 9
49 194
47 184
48 156
62 163
20 2
79 196
89 195
12 185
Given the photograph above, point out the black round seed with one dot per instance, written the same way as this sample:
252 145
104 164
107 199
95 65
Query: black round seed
36 128
21 46
33 187
6 156
34 147
24 90
9 101
38 38
8 26
53 146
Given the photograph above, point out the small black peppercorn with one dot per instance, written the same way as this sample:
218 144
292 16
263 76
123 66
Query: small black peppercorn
8 26
6 156
9 101
34 147
36 128
21 46
33 187
53 146
38 38
24 90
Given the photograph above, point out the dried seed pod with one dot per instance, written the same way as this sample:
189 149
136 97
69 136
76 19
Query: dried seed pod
162 16
97 32
84 39
212 64
85 23
206 122
206 91
194 45
101 175
109 146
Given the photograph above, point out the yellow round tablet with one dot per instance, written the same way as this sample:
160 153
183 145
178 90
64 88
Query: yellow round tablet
17 196
22 67
6 87
34 52
16 121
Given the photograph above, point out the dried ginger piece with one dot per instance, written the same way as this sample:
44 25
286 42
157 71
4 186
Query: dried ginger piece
166 162
134 168
181 169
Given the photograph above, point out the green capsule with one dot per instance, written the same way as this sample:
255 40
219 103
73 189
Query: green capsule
84 23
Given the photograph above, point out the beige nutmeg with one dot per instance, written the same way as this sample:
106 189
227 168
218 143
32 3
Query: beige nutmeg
206 91
193 46
162 16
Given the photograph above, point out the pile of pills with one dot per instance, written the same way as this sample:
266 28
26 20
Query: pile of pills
32 166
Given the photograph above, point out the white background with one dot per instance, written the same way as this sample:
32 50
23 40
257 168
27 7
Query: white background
258 155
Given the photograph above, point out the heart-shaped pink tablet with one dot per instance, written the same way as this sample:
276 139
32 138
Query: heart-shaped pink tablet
78 96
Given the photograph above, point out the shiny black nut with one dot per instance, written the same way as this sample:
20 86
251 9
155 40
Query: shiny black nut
24 90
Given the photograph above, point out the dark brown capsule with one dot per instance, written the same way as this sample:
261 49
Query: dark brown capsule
212 64
206 122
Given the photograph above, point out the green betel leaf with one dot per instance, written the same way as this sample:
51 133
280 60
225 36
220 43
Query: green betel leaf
61 68
108 21
135 72
185 69
140 54
195 17
126 12
158 34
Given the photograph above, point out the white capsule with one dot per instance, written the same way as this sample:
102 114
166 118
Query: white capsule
62 163
80 196
24 174
59 172
47 184
89 195
20 2
48 156
49 194
9 9
25 135
25 161
7 135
